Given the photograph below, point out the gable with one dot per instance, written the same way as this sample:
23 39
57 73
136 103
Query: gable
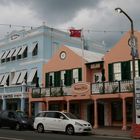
63 59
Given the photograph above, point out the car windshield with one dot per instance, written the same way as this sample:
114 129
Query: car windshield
21 114
70 115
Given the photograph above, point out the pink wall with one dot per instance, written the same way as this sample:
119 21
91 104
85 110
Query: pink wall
121 52
71 61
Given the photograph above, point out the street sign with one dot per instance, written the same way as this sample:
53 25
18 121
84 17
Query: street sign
132 41
137 99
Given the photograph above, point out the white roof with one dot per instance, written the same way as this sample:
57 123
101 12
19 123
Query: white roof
89 56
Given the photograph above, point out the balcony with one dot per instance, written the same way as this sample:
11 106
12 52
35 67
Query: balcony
112 87
53 92
14 91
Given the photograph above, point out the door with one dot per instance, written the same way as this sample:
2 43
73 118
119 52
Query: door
101 114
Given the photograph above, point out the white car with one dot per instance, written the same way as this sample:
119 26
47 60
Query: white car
60 121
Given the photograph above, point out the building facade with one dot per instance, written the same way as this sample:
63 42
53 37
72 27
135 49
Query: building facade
95 87
22 56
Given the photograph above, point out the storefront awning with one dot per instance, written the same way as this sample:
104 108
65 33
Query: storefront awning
5 79
2 54
31 76
1 77
22 50
17 51
16 77
22 76
5 54
11 53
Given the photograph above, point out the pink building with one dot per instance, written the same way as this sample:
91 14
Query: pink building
95 87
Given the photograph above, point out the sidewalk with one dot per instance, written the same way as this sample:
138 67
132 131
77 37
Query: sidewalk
109 131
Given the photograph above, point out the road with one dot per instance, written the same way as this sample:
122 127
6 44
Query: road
7 134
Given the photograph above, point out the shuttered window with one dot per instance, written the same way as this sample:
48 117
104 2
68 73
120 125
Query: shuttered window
125 70
110 72
57 79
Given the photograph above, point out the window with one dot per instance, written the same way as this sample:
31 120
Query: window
32 76
136 69
15 53
42 114
25 53
117 71
3 58
75 75
22 53
116 108
35 50
62 77
50 114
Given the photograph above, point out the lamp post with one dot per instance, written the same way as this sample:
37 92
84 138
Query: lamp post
132 43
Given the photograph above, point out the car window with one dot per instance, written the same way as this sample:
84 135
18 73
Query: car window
4 114
50 114
41 114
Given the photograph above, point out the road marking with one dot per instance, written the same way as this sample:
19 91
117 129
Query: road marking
111 137
6 138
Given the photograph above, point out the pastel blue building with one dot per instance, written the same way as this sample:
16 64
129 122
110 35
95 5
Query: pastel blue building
22 55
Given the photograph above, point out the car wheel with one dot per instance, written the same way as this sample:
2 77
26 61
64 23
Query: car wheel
40 128
17 127
70 130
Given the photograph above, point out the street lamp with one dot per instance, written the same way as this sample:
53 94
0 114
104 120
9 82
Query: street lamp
132 44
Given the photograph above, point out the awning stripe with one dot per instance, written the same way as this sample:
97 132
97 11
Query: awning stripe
22 76
22 50
5 79
16 76
31 76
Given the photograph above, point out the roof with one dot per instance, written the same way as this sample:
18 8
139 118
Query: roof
89 56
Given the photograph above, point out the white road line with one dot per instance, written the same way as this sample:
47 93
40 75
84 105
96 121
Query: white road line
122 138
7 138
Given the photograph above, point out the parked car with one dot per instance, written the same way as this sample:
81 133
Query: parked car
15 120
60 121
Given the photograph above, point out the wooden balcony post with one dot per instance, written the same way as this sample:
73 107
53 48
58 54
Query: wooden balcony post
95 115
124 127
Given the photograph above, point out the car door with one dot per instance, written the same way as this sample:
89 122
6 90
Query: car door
4 118
11 119
50 121
60 121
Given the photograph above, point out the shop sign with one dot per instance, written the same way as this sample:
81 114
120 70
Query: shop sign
81 87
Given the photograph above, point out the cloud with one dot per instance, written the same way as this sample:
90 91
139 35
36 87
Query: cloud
94 16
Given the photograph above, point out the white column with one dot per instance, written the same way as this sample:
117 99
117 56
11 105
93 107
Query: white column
22 104
3 104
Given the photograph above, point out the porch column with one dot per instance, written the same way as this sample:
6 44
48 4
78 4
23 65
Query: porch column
47 105
30 109
68 106
3 104
124 127
22 104
95 115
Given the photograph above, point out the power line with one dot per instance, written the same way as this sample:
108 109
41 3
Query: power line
85 30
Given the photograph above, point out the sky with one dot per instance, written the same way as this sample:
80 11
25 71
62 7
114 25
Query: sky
97 18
